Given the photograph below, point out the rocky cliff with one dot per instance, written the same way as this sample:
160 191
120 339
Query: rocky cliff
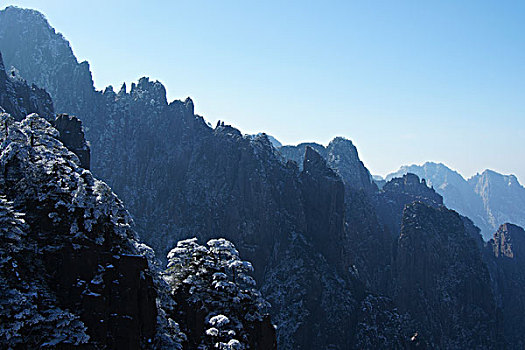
343 264
441 281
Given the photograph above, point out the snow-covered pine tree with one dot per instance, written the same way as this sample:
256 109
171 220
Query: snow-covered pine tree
219 306
28 317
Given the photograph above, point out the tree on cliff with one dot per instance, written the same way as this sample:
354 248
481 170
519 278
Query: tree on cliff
219 306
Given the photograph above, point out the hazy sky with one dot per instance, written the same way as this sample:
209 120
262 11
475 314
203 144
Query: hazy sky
406 81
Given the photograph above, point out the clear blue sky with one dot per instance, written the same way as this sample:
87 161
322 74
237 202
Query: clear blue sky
407 81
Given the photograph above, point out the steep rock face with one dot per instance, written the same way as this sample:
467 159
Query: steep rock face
505 257
365 244
373 225
325 309
334 307
323 202
19 99
509 242
315 305
75 249
389 203
442 282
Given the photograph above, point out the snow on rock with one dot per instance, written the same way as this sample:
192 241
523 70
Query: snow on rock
64 248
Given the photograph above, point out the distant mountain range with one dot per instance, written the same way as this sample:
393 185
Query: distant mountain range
346 261
490 199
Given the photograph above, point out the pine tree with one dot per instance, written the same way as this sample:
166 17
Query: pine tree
217 296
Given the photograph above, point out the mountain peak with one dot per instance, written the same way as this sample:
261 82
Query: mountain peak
344 158
123 90
34 15
342 140
190 107
147 89
345 144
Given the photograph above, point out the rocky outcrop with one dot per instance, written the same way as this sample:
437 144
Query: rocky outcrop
72 136
411 188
